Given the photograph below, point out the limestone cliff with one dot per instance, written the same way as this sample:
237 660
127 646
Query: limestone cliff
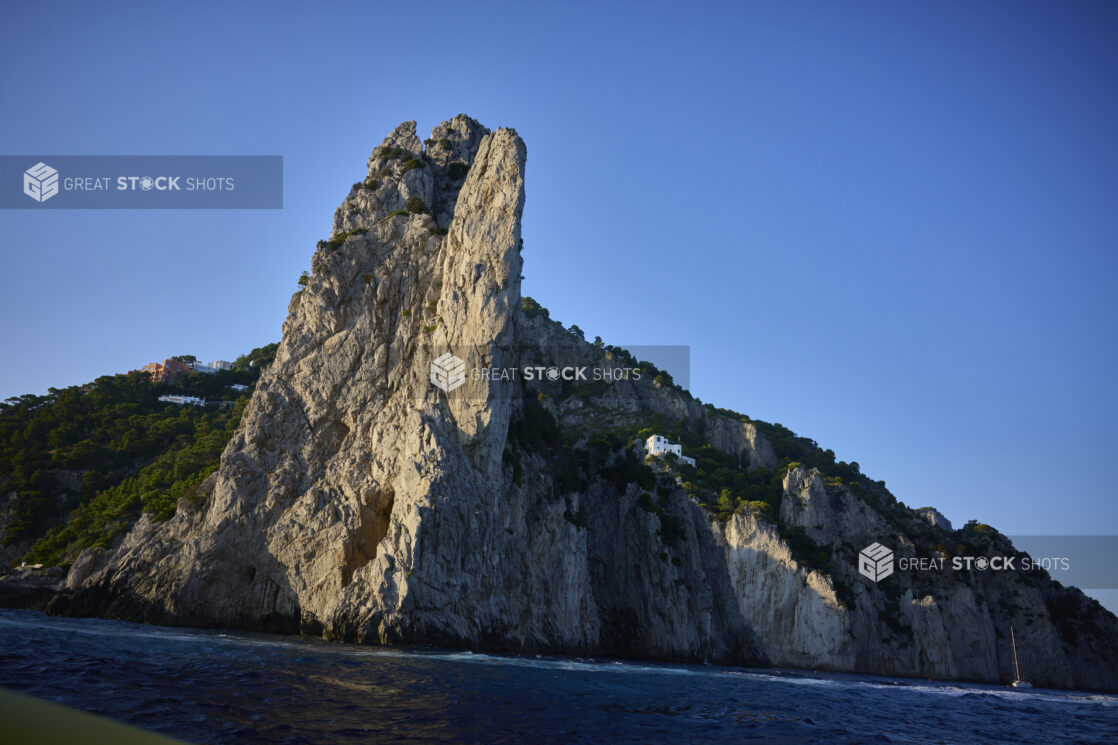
360 502
934 624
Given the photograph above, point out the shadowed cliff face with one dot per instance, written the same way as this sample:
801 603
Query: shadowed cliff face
360 502
935 624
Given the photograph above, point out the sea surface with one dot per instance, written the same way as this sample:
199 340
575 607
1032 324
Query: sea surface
213 687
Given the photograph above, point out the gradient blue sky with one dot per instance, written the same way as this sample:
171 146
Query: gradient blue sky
889 226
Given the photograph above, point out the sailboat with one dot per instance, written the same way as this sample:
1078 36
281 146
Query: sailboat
1017 681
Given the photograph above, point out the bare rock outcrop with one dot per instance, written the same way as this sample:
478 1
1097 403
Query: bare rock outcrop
938 622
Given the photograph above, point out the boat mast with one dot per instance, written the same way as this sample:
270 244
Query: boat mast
1016 667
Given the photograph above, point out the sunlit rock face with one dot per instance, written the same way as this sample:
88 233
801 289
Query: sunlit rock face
360 502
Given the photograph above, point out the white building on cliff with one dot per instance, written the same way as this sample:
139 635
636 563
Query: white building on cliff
658 445
183 400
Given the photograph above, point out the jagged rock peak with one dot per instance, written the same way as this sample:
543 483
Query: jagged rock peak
422 177
322 515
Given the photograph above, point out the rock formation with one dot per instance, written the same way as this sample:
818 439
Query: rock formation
360 502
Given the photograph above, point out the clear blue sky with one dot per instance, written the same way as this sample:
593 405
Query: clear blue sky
889 226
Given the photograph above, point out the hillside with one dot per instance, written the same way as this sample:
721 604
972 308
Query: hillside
79 465
791 520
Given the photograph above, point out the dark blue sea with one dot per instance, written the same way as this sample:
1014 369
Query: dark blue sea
214 687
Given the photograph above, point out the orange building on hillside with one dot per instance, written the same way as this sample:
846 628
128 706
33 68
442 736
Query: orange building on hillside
167 371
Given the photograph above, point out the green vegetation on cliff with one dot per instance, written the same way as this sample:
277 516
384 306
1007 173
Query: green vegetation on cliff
78 465
156 488
722 483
